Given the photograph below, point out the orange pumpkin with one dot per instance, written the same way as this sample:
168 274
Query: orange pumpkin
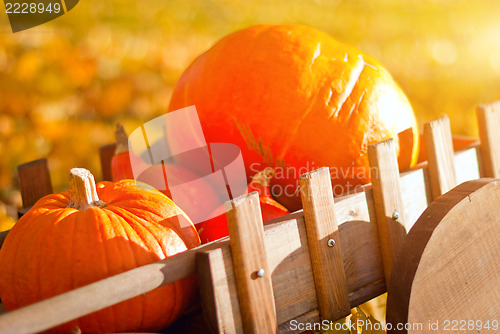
91 232
293 98
216 227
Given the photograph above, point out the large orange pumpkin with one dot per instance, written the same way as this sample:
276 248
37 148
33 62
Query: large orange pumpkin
91 232
293 98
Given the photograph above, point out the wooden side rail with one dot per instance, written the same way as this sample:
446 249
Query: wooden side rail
106 153
34 182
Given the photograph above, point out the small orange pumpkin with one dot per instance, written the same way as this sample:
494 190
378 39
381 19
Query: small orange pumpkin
91 232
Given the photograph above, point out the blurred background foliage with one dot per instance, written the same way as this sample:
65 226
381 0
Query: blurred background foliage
64 84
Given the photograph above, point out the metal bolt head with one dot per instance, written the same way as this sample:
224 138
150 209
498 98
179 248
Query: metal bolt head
331 242
395 215
260 272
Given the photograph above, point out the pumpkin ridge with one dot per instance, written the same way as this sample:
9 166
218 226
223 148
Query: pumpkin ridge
52 201
12 260
42 233
295 130
89 232
138 222
72 254
176 304
33 273
107 258
355 75
126 231
135 206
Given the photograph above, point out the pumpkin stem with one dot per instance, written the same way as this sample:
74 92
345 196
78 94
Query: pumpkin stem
82 190
121 139
264 177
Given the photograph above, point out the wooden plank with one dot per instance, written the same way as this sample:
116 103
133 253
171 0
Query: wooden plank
324 244
389 208
222 313
439 148
467 165
451 257
106 153
359 240
488 121
290 262
34 181
252 273
415 193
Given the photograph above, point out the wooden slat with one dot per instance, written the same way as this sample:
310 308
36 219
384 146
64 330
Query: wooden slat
415 193
106 153
215 293
439 148
488 119
355 214
389 208
253 276
467 165
34 181
324 243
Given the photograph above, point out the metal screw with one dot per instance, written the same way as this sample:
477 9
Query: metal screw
331 243
395 215
260 273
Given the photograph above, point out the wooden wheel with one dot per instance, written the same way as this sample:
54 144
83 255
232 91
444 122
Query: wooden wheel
447 277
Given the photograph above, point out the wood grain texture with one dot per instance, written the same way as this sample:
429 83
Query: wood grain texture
448 267
415 193
106 153
255 290
488 121
322 229
440 156
467 165
34 181
389 208
221 312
